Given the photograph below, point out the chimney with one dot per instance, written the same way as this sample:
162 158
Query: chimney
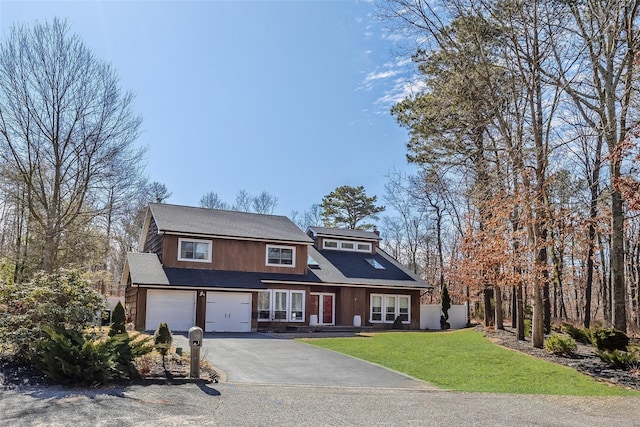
375 230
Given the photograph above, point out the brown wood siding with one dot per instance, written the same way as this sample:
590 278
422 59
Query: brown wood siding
130 303
235 255
414 321
141 309
351 302
201 308
153 243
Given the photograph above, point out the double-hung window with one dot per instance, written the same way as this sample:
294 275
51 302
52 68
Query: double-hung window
194 250
385 308
282 256
281 305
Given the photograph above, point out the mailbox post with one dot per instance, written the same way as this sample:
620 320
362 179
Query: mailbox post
195 342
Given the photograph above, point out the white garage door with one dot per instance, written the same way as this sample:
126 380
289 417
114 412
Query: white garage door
176 308
228 312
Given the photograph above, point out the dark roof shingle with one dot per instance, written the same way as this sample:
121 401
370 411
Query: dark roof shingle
344 233
228 224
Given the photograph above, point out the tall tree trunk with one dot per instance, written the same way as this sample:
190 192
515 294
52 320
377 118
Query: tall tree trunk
488 318
514 307
498 302
520 312
619 291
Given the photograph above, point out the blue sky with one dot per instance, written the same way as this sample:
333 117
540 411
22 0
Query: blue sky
288 97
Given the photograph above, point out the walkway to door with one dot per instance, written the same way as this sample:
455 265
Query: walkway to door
262 359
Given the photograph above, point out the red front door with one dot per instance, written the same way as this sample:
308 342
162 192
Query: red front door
327 309
322 305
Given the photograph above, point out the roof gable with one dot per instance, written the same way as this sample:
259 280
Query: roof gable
186 220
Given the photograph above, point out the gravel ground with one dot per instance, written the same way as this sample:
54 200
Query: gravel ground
203 404
184 402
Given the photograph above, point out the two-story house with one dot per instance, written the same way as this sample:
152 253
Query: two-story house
228 271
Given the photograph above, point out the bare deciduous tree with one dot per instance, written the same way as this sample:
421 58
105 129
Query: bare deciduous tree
63 122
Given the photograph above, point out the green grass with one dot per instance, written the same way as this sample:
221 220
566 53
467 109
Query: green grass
468 361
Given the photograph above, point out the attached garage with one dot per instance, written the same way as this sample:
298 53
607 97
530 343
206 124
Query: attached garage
228 312
176 308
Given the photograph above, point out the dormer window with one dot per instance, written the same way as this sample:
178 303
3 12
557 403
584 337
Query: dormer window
194 250
346 245
281 256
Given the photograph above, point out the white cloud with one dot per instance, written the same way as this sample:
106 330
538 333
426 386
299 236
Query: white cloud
381 75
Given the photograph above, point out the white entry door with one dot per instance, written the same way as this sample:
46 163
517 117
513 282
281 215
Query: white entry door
176 308
228 312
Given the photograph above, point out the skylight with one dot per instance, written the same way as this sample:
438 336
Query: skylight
312 262
375 264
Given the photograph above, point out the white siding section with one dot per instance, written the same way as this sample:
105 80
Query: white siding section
430 316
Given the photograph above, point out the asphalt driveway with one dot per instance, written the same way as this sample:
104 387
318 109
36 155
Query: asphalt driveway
256 358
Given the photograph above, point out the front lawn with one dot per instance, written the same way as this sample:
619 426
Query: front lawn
467 361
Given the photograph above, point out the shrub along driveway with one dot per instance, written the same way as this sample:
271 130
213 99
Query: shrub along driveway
264 359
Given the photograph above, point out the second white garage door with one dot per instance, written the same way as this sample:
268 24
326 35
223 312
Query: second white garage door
176 308
228 312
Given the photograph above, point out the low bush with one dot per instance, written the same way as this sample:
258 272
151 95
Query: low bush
130 348
580 335
397 323
619 359
609 339
560 345
73 357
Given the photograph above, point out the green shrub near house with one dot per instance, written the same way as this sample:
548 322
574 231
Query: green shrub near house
118 319
162 340
73 357
62 299
44 322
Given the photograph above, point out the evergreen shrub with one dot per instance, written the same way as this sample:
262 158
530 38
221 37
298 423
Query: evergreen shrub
397 324
609 339
72 357
118 319
619 359
560 345
580 335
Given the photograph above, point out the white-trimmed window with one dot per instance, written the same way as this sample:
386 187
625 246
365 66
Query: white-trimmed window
264 305
346 245
330 244
281 256
385 308
282 305
194 250
364 247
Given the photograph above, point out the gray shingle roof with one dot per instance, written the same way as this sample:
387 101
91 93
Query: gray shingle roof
228 224
351 268
344 232
334 267
145 269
